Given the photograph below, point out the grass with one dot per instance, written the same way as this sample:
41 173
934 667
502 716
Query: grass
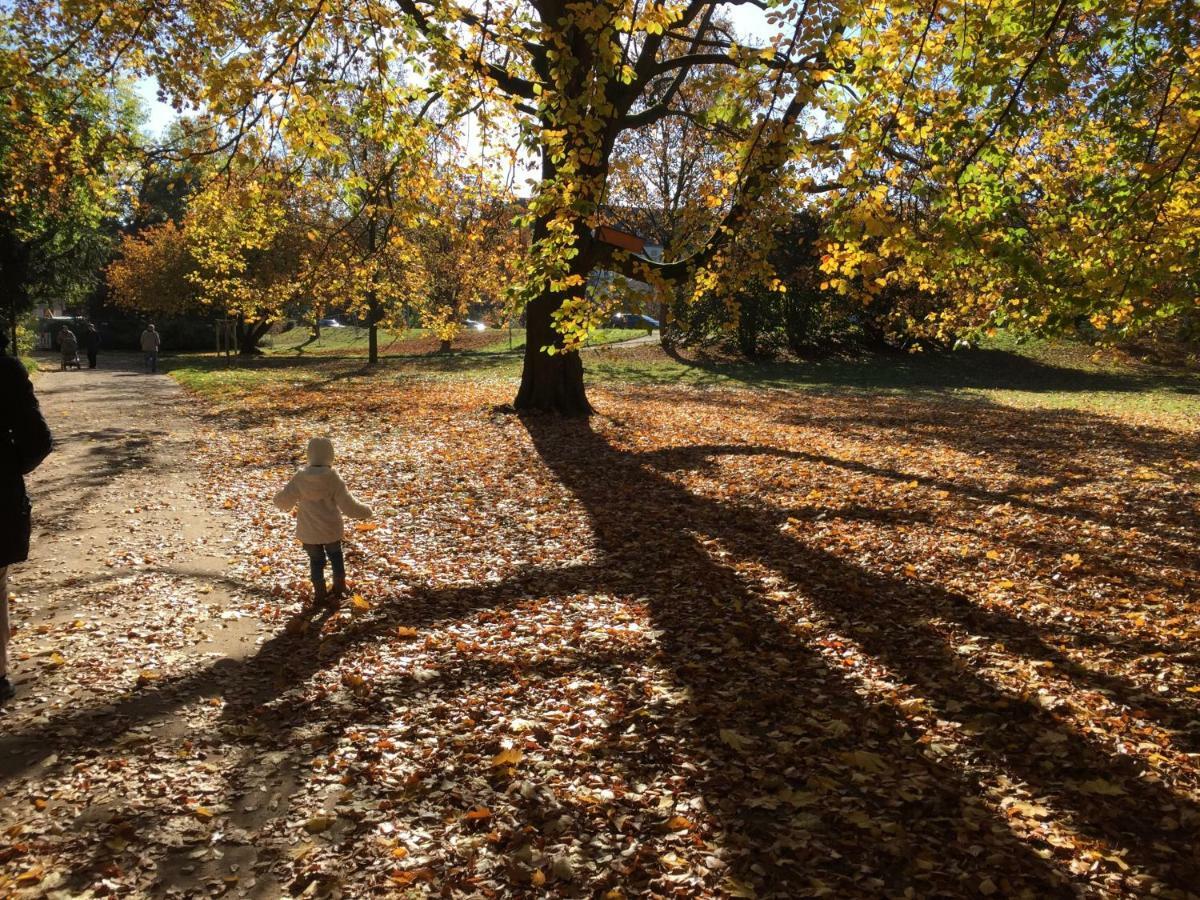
1033 375
30 364
351 341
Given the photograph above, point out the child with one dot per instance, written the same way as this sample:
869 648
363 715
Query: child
322 498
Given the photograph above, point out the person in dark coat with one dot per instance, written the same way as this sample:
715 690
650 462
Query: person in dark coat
24 443
91 343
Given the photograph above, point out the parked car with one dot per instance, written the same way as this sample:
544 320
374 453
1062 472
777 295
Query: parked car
633 320
330 323
474 325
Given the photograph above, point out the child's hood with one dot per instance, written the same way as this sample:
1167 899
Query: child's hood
320 452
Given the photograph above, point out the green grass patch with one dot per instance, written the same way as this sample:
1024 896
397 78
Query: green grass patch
349 340
599 337
1038 375
30 364
1034 375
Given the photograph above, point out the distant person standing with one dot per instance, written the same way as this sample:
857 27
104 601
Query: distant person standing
151 341
91 343
24 443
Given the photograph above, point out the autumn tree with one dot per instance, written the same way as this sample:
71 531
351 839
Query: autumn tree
237 254
152 272
64 154
1032 165
470 248
932 129
568 79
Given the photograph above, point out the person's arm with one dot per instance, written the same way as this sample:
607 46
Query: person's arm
289 496
346 502
30 434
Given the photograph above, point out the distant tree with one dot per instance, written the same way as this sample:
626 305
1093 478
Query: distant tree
152 272
237 254
470 250
63 155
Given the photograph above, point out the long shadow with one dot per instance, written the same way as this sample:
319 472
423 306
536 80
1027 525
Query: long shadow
288 658
749 672
1018 635
1183 527
937 373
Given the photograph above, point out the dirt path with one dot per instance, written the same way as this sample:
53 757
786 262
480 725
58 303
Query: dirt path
124 615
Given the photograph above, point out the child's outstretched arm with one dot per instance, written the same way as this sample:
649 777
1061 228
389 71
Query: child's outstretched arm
289 496
347 504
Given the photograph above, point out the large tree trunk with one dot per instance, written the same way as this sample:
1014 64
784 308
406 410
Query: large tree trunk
549 383
250 335
554 383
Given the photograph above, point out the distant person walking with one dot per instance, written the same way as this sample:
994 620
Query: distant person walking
151 341
24 443
91 343
321 497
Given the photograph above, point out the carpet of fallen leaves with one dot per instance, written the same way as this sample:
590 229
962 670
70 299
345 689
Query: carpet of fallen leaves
706 644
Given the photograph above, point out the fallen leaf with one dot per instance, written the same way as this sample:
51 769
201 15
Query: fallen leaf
509 757
318 824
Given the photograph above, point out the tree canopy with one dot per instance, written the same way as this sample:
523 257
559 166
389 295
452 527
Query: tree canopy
1030 164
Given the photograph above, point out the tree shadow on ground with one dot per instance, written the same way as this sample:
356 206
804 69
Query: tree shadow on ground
985 369
809 773
770 713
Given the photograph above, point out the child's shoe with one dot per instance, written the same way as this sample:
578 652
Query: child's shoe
320 595
339 587
7 691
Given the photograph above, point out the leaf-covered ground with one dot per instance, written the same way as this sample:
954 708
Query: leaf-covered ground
710 643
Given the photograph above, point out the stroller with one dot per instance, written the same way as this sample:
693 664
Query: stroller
70 351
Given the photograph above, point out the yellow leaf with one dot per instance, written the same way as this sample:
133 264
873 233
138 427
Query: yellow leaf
1102 787
865 760
478 813
57 660
317 824
538 878
679 823
736 741
509 757
405 631
993 554
399 852
365 526
741 889
359 603
31 876
203 812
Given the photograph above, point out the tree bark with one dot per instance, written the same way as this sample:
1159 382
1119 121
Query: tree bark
549 383
374 312
249 336
554 382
